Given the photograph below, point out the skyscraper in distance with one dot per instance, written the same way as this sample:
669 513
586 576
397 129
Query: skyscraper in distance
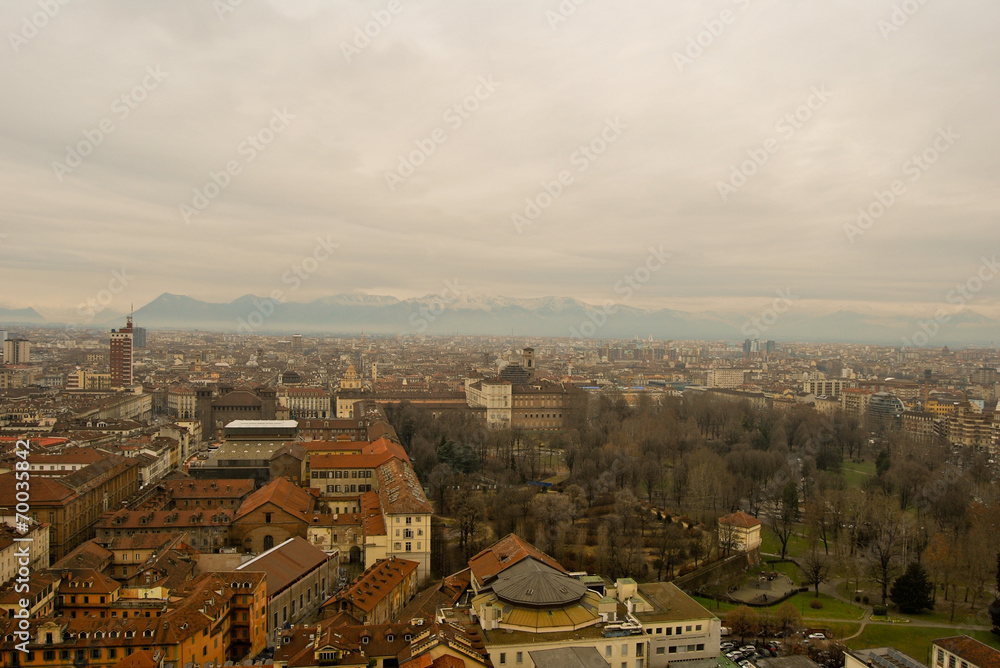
121 355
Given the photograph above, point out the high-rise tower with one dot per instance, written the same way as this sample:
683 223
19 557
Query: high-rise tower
121 355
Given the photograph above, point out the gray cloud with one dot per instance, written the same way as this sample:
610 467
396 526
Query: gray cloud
656 184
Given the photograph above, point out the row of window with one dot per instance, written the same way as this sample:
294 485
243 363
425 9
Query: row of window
80 655
341 474
334 489
674 630
952 661
700 647
408 546
408 533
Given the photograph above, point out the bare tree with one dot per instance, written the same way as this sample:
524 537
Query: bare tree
470 512
816 569
785 514
885 547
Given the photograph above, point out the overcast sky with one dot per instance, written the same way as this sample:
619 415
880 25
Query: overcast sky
182 85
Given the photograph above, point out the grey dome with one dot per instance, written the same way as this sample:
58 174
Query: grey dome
533 583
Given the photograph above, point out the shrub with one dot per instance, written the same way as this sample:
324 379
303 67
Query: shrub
857 599
880 611
864 599
816 604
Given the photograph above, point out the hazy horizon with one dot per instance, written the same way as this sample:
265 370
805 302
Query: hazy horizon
209 149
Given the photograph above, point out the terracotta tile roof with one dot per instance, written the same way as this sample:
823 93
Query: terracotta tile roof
37 581
358 461
314 447
503 554
90 475
208 489
399 489
160 519
44 491
69 456
445 594
145 541
144 658
282 493
970 650
86 555
371 514
89 579
740 519
454 646
372 640
286 563
376 583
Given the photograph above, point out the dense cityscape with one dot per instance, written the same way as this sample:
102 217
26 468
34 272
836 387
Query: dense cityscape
520 334
222 499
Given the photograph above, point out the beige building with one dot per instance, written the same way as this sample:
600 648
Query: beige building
726 378
525 603
182 403
300 577
962 652
739 532
854 401
305 402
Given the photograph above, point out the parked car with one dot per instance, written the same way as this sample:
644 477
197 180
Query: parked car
817 636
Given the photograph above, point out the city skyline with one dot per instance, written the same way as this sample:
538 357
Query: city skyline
621 126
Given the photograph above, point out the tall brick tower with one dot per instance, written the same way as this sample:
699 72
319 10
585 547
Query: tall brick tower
121 355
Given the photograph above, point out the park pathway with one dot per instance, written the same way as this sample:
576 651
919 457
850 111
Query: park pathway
830 589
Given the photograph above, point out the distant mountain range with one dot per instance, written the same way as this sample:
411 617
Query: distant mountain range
22 316
545 316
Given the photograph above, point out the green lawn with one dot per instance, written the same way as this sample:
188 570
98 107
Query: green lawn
942 615
832 608
717 607
797 544
856 474
913 640
839 629
788 568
